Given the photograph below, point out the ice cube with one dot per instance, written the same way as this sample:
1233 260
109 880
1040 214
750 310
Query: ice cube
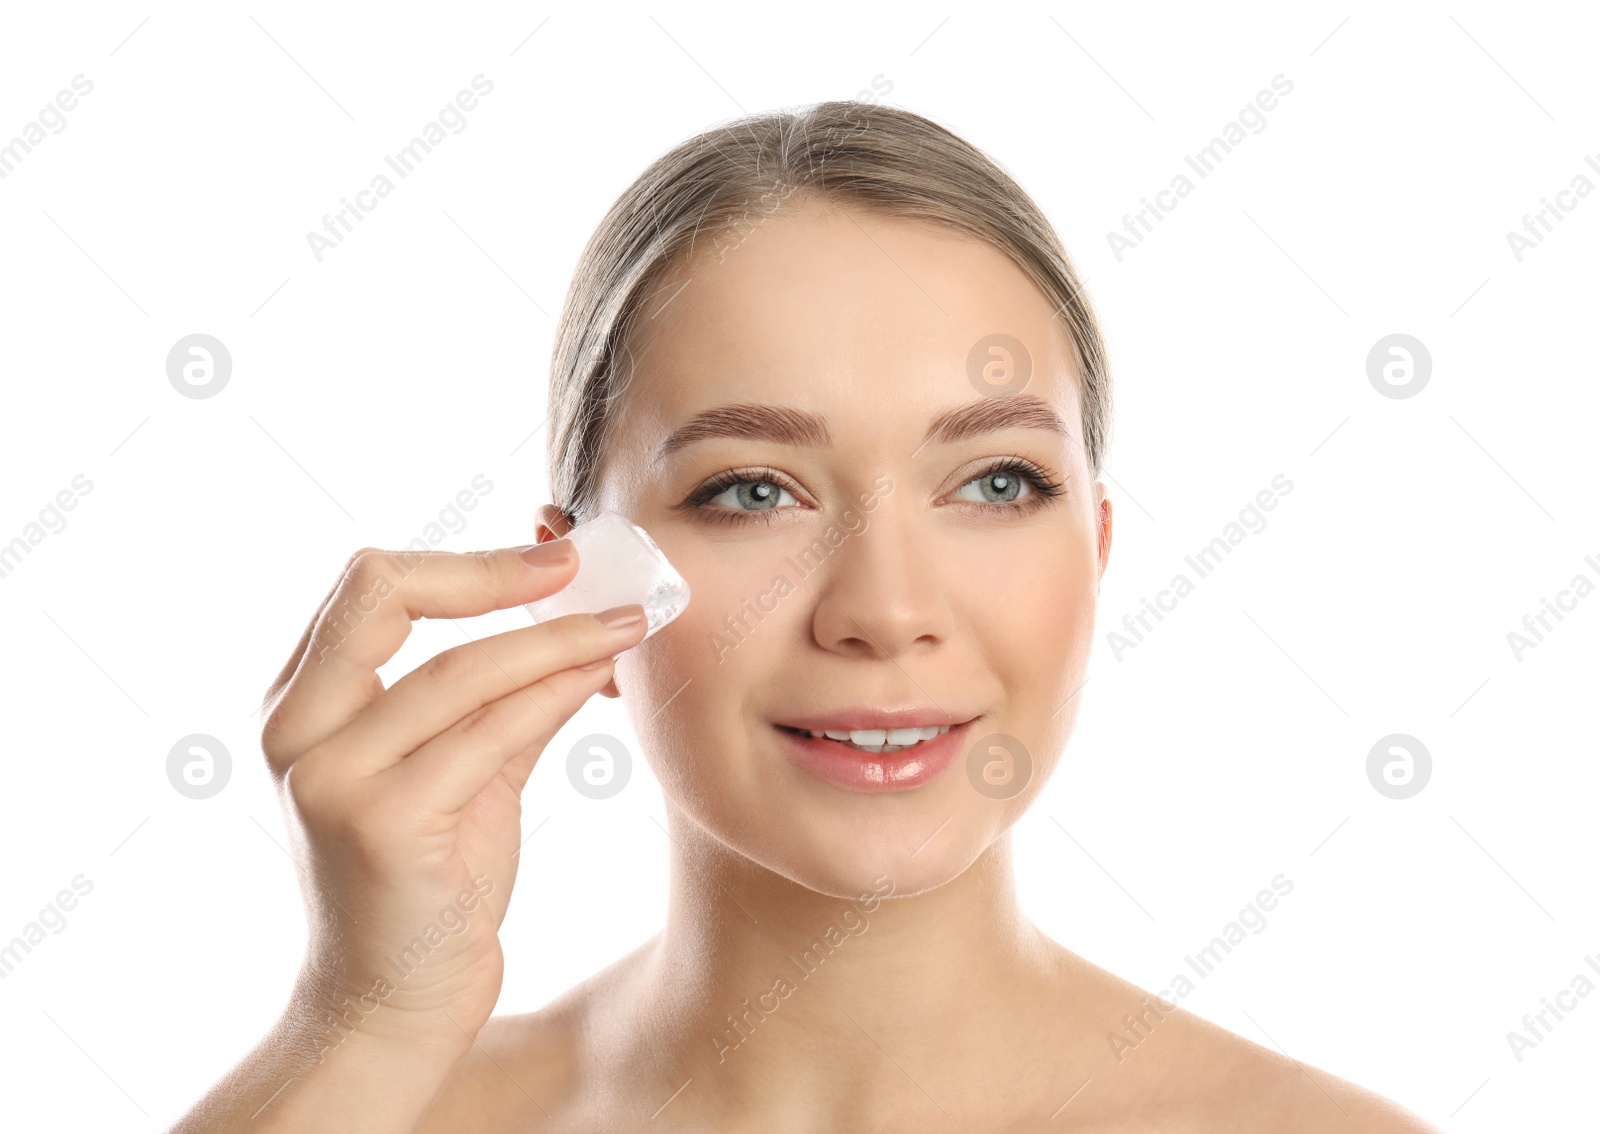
618 564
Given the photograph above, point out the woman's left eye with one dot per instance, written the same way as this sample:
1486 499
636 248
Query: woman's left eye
1002 486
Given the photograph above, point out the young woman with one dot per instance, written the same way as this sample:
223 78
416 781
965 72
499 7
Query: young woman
839 366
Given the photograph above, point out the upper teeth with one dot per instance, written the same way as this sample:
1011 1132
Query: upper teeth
877 739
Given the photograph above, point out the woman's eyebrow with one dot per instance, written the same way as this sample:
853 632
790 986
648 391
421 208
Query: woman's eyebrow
787 426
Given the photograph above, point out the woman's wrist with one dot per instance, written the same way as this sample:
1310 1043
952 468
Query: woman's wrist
381 1077
325 1016
383 1074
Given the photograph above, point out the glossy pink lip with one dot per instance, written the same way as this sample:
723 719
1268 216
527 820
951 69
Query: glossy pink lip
867 771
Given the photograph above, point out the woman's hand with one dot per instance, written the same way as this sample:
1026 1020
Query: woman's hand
404 803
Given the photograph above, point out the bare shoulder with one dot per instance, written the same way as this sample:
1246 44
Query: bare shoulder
1259 1087
1167 1069
518 1065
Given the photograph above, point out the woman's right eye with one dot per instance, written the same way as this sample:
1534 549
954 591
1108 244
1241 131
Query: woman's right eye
750 496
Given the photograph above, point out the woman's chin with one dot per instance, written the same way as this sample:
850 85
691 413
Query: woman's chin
849 870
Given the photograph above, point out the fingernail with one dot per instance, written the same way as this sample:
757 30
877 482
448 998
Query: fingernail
621 617
551 553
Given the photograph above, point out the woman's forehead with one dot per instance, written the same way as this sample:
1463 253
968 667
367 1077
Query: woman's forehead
848 313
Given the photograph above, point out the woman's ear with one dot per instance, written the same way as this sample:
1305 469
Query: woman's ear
554 524
1103 527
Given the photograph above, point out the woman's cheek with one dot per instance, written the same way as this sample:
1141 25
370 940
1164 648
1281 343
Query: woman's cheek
709 649
737 603
1047 640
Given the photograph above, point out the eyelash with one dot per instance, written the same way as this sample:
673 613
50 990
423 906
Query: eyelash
1044 490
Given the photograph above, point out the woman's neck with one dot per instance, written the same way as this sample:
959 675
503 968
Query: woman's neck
771 996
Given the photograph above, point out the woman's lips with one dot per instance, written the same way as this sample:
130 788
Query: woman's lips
855 770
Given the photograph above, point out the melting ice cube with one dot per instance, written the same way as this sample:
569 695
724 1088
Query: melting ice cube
618 564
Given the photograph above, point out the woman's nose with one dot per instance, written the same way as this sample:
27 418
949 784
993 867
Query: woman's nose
881 592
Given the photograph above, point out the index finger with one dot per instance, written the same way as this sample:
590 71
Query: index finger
368 616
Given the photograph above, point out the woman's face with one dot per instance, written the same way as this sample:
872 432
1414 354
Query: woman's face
846 568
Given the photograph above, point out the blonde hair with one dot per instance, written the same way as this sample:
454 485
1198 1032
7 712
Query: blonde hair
847 152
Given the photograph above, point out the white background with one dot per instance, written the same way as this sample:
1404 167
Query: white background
368 389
